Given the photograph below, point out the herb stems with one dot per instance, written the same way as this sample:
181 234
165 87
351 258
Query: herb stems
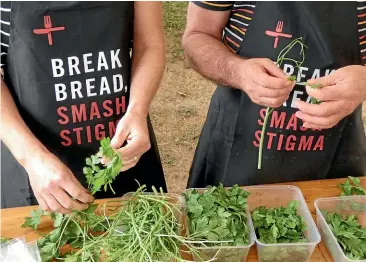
282 57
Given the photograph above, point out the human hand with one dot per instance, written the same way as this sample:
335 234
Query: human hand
133 129
54 185
264 82
340 92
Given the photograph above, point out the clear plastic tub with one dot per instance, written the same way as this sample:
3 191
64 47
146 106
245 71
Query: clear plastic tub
277 196
344 205
224 253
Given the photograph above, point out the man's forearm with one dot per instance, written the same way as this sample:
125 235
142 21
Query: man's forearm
211 58
14 132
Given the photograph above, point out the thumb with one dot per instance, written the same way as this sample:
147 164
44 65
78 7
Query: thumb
273 70
120 136
328 80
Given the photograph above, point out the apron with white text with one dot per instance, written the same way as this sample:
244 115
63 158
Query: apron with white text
68 69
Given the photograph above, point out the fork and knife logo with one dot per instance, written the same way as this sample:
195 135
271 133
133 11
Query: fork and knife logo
48 29
278 33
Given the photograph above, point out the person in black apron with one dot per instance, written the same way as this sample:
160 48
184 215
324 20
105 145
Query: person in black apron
236 46
69 81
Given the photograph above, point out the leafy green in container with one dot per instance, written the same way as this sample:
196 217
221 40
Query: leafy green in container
279 224
218 215
349 233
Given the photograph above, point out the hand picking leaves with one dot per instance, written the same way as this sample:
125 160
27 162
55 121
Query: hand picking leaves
218 215
349 233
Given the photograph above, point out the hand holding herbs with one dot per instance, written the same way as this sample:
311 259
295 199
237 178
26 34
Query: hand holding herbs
279 224
218 215
341 93
54 185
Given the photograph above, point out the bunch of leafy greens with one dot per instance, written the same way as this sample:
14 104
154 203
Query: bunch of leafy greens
78 226
218 215
349 233
352 186
279 224
98 177
145 227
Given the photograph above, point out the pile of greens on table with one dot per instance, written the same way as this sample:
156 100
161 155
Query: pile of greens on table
141 227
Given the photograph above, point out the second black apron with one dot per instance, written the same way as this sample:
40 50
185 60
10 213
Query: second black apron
227 151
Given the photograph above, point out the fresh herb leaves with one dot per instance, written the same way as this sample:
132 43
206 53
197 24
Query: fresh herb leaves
279 224
352 186
97 176
77 227
349 233
218 214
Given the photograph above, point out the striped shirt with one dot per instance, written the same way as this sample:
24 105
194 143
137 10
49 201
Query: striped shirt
242 13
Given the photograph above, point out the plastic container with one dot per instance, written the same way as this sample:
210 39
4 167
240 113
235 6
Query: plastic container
343 205
277 196
224 253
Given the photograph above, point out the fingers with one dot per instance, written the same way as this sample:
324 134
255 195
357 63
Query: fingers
321 122
136 147
271 82
42 203
76 190
130 163
323 81
120 136
66 201
272 69
54 204
322 110
326 93
272 102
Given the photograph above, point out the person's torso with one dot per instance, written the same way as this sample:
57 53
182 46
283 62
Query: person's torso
290 152
68 69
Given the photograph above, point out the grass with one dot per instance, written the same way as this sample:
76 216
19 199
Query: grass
174 23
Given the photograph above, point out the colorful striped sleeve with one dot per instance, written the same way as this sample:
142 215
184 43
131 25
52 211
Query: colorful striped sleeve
215 5
361 14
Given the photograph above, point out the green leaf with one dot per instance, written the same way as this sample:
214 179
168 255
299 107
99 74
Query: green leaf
34 220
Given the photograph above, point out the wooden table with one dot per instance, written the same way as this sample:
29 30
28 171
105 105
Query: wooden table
13 218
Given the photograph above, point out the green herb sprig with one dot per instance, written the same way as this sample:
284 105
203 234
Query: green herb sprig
282 57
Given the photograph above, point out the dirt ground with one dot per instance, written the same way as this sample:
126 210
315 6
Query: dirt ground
179 109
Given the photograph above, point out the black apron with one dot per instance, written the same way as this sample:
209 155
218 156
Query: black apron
68 69
227 151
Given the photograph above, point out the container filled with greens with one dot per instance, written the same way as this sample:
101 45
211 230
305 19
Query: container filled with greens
284 227
219 224
342 224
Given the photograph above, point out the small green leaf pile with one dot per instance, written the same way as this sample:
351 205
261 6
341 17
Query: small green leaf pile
279 224
352 186
218 215
349 233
